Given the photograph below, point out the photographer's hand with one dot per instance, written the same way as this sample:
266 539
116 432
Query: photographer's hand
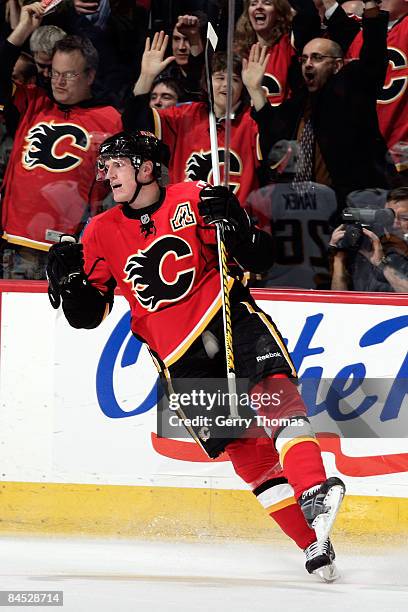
376 254
394 266
339 280
337 235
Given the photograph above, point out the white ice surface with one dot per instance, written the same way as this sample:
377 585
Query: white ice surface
124 576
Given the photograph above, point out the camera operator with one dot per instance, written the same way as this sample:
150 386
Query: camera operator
370 250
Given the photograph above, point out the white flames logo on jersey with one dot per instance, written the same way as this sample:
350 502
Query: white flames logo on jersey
42 141
199 167
144 271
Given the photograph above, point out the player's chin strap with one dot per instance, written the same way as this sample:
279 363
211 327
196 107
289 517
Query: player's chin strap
147 226
138 188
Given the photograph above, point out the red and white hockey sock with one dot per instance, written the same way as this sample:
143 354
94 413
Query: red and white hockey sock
277 497
255 460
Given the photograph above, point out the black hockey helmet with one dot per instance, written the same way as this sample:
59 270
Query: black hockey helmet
139 146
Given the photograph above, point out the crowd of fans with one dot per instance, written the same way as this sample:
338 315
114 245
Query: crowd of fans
319 125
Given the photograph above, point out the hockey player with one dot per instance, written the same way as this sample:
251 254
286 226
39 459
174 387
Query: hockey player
158 246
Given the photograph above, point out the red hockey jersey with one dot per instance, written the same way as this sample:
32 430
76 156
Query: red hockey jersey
168 277
50 185
392 106
275 80
185 130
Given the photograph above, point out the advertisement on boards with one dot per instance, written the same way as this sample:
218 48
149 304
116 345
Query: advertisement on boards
101 396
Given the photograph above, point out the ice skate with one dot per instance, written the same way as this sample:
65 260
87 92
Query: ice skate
320 505
320 560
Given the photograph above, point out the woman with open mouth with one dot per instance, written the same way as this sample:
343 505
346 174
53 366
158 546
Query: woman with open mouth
268 22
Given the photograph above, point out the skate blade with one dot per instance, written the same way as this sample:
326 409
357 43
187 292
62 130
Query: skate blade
323 522
328 573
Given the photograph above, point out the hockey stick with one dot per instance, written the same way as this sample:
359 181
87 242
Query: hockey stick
222 251
228 108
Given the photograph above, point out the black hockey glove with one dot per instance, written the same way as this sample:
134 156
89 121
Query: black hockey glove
249 246
65 262
219 205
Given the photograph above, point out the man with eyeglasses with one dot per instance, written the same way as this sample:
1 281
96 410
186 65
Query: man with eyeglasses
49 187
333 113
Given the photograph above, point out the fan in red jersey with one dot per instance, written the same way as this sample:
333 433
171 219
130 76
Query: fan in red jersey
158 246
268 22
49 186
185 130
392 103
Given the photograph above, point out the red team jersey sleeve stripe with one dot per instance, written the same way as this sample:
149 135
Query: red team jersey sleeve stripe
258 148
157 124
